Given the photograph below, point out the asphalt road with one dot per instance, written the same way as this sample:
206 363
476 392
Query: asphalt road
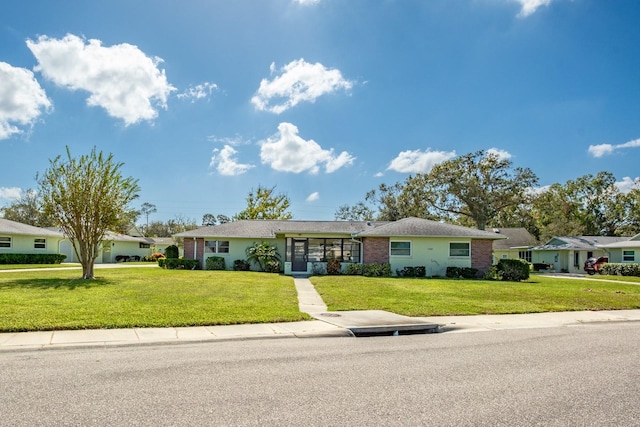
566 376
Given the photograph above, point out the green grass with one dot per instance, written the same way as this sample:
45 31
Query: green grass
143 297
439 297
31 266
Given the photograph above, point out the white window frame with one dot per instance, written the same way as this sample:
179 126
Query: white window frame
526 255
460 243
628 256
217 246
391 248
6 242
40 241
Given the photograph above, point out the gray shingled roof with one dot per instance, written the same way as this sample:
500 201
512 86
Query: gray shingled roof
17 228
260 229
579 242
268 229
423 227
516 238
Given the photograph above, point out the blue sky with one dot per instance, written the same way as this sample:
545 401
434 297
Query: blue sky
205 100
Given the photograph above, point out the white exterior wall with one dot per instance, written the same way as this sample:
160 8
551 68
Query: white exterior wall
25 245
237 248
432 253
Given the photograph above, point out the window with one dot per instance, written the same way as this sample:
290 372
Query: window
216 246
628 256
39 243
400 249
525 255
223 246
576 259
5 242
322 250
459 249
144 245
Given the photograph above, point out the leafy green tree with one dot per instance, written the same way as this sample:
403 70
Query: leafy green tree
223 219
86 196
358 212
208 220
265 255
264 203
27 210
147 209
477 185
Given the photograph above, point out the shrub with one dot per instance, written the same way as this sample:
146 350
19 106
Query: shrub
620 269
172 251
272 266
153 257
318 269
419 271
353 269
32 258
179 264
215 263
513 270
377 269
265 255
333 267
241 265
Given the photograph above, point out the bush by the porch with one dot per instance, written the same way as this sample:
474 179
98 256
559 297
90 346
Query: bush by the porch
619 269
215 263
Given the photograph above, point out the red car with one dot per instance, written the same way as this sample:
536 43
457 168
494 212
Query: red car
593 265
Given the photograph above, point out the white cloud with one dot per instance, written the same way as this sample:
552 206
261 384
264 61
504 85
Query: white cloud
299 81
22 100
501 154
416 161
378 174
286 151
225 163
529 7
313 197
10 193
306 2
197 92
121 78
605 149
627 184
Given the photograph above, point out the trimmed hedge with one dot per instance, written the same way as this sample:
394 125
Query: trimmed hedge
32 258
461 272
172 251
215 263
512 270
620 269
241 265
419 271
369 270
179 264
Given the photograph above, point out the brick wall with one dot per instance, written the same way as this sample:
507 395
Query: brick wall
189 245
375 249
481 255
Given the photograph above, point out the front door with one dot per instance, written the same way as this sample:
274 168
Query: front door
299 259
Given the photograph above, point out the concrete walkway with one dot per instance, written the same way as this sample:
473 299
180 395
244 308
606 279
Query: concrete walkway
327 324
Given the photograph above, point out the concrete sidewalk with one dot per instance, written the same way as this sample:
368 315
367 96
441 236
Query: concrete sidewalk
327 324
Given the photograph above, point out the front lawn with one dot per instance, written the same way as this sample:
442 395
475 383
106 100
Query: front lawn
32 266
143 297
440 297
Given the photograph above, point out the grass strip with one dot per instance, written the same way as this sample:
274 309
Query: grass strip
442 297
143 297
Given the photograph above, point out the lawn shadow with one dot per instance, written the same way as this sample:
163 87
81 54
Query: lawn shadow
55 283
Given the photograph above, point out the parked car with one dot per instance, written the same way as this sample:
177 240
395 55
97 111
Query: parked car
593 265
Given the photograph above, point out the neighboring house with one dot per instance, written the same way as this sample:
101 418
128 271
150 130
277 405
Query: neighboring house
517 245
19 238
623 251
115 247
568 254
306 244
160 244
